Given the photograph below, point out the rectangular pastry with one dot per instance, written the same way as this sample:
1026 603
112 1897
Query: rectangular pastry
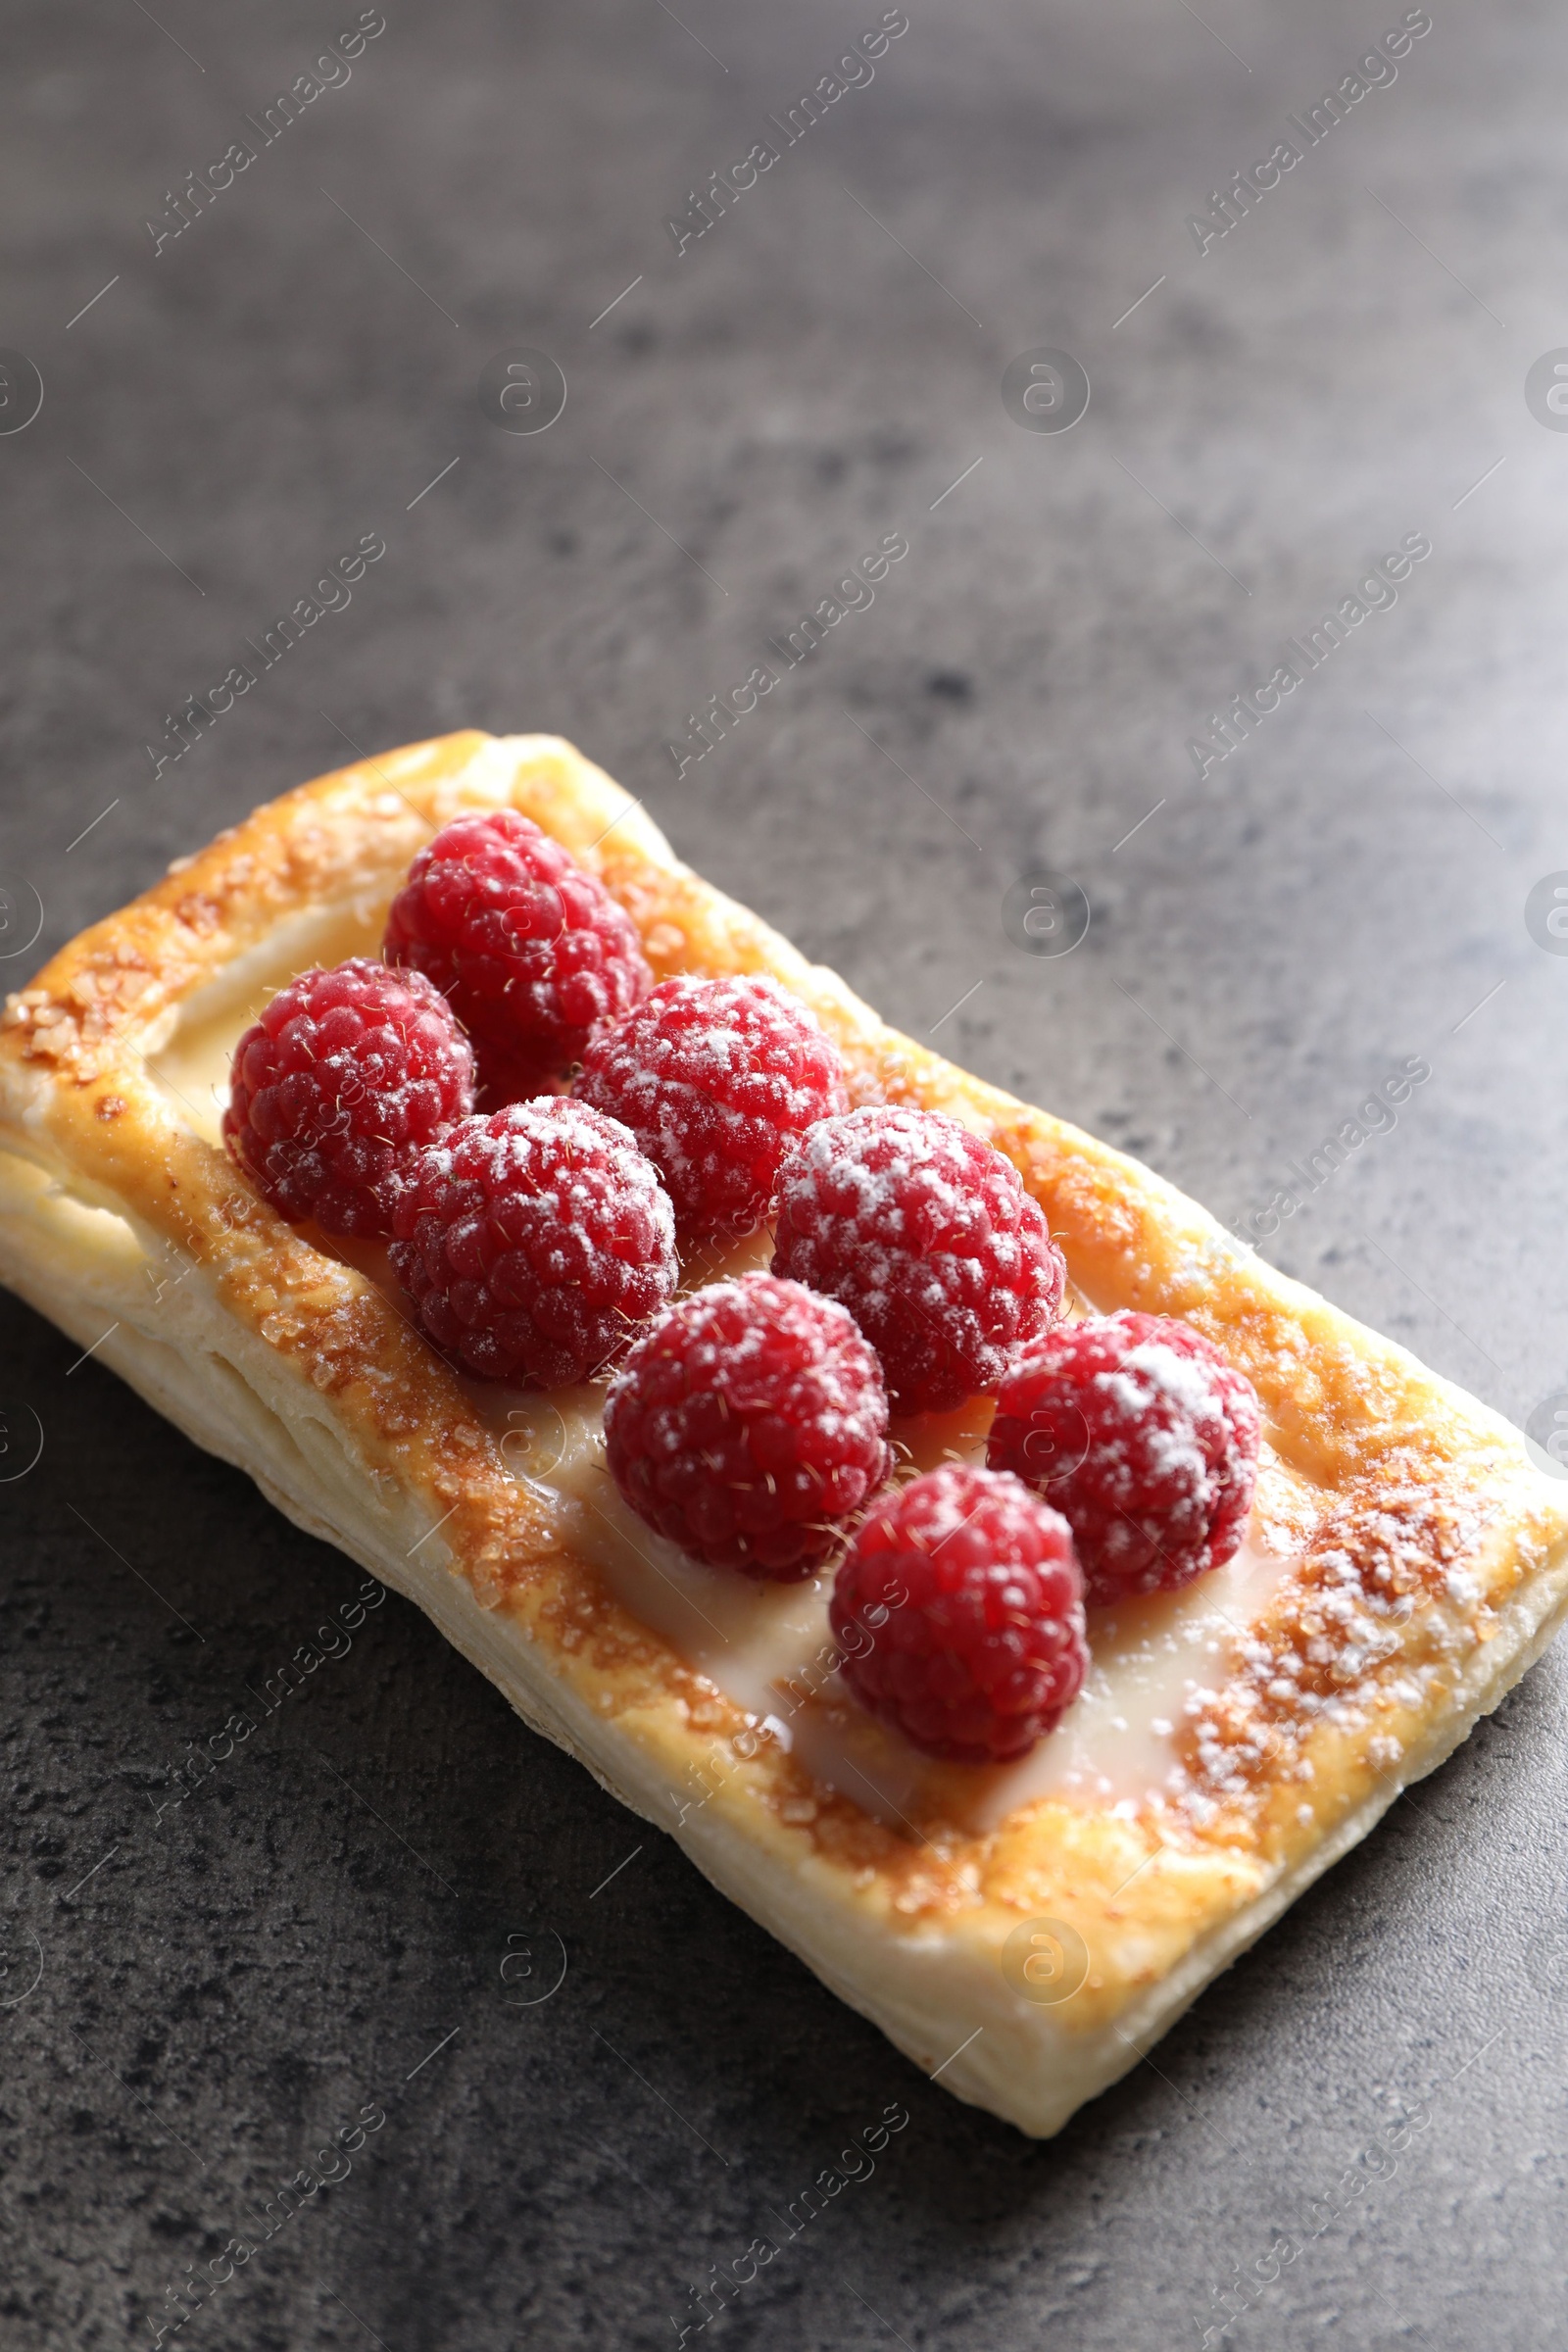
1023 1931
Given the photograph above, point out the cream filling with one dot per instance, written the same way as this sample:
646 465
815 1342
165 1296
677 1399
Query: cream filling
769 1646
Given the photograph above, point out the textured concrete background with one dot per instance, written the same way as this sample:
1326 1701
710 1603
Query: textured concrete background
222 1987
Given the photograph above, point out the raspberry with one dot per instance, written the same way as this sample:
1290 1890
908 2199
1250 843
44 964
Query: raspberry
348 1074
749 1425
534 954
715 1078
532 1240
959 1614
1142 1435
928 1237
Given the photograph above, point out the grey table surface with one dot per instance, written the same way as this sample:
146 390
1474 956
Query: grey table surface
221 1985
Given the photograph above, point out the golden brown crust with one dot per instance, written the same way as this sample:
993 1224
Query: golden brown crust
1423 1531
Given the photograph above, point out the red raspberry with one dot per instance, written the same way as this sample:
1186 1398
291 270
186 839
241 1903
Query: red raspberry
959 1614
533 1241
749 1425
337 1088
928 1237
715 1078
1143 1436
534 954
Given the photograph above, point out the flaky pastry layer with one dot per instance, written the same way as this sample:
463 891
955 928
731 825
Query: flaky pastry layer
1431 1567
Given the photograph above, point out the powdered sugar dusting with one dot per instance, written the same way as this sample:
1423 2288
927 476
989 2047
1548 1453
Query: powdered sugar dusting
1370 1627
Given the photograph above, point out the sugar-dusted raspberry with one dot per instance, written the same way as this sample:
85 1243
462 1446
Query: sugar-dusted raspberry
749 1425
715 1078
958 1611
338 1086
926 1234
1139 1431
532 953
534 1242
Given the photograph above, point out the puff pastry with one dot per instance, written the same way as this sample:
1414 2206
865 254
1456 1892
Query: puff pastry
1024 1938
